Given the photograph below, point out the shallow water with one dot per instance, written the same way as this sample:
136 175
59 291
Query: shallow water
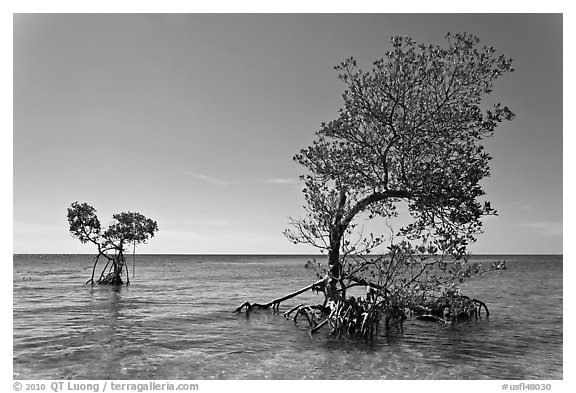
175 321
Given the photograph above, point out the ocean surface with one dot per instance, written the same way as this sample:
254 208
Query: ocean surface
176 321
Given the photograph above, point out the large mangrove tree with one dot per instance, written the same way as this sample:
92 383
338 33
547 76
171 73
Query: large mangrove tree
125 229
407 142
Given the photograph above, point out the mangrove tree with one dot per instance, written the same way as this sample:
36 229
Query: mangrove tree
405 155
112 243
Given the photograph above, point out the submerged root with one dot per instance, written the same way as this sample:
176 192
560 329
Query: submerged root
361 317
112 272
111 279
450 308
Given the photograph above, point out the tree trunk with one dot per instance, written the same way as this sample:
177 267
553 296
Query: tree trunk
114 276
334 263
119 264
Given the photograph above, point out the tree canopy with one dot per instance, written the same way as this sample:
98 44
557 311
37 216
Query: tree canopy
125 228
410 129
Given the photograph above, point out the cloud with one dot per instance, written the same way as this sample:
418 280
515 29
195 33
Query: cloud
282 180
544 228
207 178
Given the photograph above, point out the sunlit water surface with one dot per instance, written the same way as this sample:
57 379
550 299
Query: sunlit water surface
175 321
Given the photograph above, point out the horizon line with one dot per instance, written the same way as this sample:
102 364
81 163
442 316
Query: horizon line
254 254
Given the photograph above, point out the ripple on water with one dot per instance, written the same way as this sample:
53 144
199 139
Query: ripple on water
177 323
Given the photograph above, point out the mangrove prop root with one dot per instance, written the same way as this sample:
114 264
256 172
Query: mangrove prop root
450 309
309 313
361 317
479 304
317 327
113 270
312 313
287 313
314 308
275 304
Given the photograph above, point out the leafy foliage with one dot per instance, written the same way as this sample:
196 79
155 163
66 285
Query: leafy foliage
83 222
125 228
131 227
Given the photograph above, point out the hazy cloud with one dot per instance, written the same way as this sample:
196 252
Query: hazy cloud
208 179
282 180
544 228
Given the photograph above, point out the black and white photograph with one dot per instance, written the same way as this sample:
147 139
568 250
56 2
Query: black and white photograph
287 196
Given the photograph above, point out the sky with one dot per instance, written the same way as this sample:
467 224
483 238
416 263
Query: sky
193 120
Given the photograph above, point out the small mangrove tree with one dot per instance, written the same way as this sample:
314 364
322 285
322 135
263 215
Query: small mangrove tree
125 229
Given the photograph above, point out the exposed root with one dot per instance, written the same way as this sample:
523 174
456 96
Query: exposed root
112 272
111 279
287 313
275 304
309 313
450 308
361 317
319 326
479 305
